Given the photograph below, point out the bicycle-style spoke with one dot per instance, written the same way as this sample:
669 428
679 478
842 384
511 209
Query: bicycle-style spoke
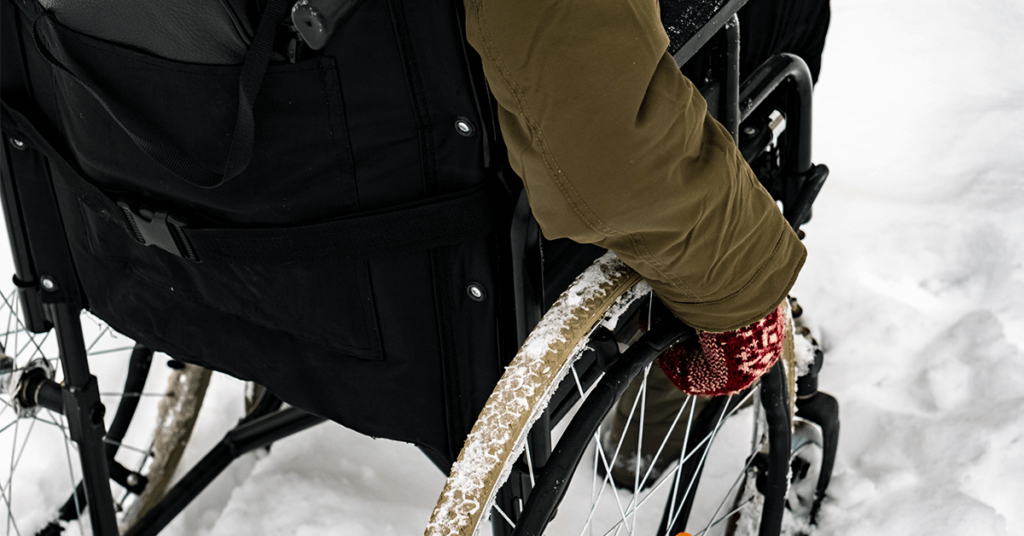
727 516
145 458
598 489
684 457
23 328
138 470
529 466
661 448
26 367
24 444
593 485
13 315
651 492
51 423
58 421
739 478
686 440
111 350
693 402
579 384
4 486
607 481
137 395
599 457
71 473
32 342
710 439
99 337
640 441
504 515
700 464
129 447
628 513
11 522
16 456
607 484
10 474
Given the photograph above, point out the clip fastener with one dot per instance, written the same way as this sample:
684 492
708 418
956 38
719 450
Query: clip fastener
158 228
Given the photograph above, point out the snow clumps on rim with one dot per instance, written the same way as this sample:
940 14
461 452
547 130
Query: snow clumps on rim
499 434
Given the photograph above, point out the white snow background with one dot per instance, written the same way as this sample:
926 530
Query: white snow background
915 277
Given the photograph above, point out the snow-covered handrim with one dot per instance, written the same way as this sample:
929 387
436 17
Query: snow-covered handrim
597 297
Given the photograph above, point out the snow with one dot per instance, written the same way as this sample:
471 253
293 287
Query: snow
915 281
522 393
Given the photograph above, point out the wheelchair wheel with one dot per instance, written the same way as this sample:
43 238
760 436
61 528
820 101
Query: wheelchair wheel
149 421
742 482
698 469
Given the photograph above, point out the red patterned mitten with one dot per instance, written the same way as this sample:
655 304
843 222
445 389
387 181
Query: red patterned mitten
727 362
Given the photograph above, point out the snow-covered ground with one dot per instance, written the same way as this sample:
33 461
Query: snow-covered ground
915 277
917 265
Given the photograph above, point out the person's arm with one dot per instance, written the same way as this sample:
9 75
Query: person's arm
616 148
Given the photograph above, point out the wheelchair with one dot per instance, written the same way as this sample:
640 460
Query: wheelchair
533 462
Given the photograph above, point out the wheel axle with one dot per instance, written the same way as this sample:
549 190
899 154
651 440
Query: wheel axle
31 388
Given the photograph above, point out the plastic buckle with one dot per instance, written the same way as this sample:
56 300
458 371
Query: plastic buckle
158 228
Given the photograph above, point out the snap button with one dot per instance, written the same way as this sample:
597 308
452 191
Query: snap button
476 292
464 127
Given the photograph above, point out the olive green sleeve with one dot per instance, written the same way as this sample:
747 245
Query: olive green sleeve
616 148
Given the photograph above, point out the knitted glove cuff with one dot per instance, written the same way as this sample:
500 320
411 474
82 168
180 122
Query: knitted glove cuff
728 362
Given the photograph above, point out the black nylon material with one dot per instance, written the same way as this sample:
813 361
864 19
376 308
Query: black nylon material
380 336
183 166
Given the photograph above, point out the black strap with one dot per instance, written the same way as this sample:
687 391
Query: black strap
436 222
250 80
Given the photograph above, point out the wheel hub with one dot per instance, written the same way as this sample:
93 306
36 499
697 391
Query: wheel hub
31 388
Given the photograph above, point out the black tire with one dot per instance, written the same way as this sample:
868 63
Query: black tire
151 412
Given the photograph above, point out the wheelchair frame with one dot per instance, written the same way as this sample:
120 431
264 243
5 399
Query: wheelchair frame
47 287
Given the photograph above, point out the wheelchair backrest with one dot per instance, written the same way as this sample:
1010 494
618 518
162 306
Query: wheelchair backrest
345 257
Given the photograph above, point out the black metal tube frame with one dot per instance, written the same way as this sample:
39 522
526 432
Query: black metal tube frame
789 73
244 438
48 284
84 413
731 103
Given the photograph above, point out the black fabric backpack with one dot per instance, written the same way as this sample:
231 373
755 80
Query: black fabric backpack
331 224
